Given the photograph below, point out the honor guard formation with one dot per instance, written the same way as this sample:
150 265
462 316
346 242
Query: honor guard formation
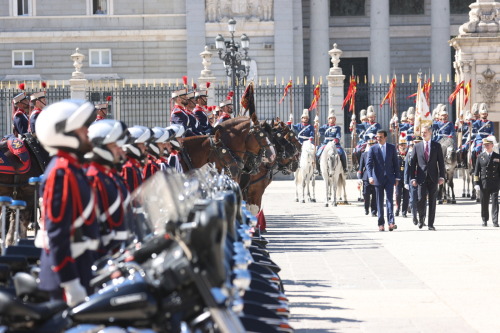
129 213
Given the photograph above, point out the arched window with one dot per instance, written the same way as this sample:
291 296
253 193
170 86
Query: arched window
459 6
406 7
347 7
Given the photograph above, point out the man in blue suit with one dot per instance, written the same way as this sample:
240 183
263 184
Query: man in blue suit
383 172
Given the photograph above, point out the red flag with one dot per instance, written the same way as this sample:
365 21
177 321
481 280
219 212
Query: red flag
455 93
390 94
285 92
467 92
317 95
412 95
351 95
426 89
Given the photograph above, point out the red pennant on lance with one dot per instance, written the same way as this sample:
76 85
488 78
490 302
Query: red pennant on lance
390 94
351 95
455 93
426 89
247 100
285 92
467 92
317 95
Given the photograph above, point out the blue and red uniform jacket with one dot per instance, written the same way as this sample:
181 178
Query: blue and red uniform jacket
150 168
111 211
34 115
69 233
20 121
132 174
204 125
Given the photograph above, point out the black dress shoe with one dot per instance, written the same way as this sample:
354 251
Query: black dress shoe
397 213
495 224
420 225
432 228
366 212
404 214
415 221
485 223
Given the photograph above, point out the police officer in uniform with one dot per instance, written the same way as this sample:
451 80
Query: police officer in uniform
304 130
20 113
332 132
69 231
402 193
369 195
107 137
487 180
180 115
135 151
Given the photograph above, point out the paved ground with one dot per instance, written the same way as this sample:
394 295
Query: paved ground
343 275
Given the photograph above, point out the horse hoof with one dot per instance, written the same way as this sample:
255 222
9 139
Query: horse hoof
463 195
440 202
453 201
313 200
303 201
326 205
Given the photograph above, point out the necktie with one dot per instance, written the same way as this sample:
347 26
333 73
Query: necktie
426 153
383 151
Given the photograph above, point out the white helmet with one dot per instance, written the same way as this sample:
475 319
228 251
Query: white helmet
159 136
56 125
104 132
138 134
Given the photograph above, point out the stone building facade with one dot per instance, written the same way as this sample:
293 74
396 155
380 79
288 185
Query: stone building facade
162 39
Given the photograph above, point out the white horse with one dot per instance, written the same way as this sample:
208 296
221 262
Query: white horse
305 173
333 173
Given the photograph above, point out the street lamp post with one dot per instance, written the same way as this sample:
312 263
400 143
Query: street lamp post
236 62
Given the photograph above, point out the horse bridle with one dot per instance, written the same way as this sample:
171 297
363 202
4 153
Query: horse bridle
285 149
227 158
254 161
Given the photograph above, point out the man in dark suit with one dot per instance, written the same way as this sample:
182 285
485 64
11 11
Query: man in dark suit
487 180
369 196
383 172
427 171
413 191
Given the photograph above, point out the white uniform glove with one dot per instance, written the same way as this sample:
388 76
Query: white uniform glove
291 118
407 186
477 187
74 291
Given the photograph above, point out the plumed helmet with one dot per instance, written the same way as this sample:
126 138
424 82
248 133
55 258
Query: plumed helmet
483 108
331 113
404 116
403 138
362 115
475 108
370 111
104 132
442 110
305 113
411 112
56 125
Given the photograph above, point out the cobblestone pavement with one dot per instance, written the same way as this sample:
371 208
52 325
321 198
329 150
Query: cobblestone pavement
342 275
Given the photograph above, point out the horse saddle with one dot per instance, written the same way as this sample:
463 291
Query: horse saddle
14 157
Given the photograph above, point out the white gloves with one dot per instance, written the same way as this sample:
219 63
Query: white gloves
291 118
407 186
74 291
477 187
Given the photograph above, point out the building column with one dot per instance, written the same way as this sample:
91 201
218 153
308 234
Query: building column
283 37
319 38
196 40
440 35
380 46
379 64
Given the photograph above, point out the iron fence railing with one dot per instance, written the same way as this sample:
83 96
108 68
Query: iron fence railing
149 105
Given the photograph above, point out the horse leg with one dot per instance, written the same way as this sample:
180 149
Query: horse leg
313 184
327 191
464 179
343 186
452 188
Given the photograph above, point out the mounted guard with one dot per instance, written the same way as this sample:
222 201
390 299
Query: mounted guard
482 129
331 132
304 130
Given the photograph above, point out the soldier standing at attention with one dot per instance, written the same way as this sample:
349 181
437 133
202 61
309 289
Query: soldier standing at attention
69 233
487 180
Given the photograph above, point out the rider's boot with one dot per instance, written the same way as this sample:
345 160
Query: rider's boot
343 160
317 171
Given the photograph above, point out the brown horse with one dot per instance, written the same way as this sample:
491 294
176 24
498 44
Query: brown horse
288 152
238 145
18 165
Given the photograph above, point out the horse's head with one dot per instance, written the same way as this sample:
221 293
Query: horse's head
258 146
